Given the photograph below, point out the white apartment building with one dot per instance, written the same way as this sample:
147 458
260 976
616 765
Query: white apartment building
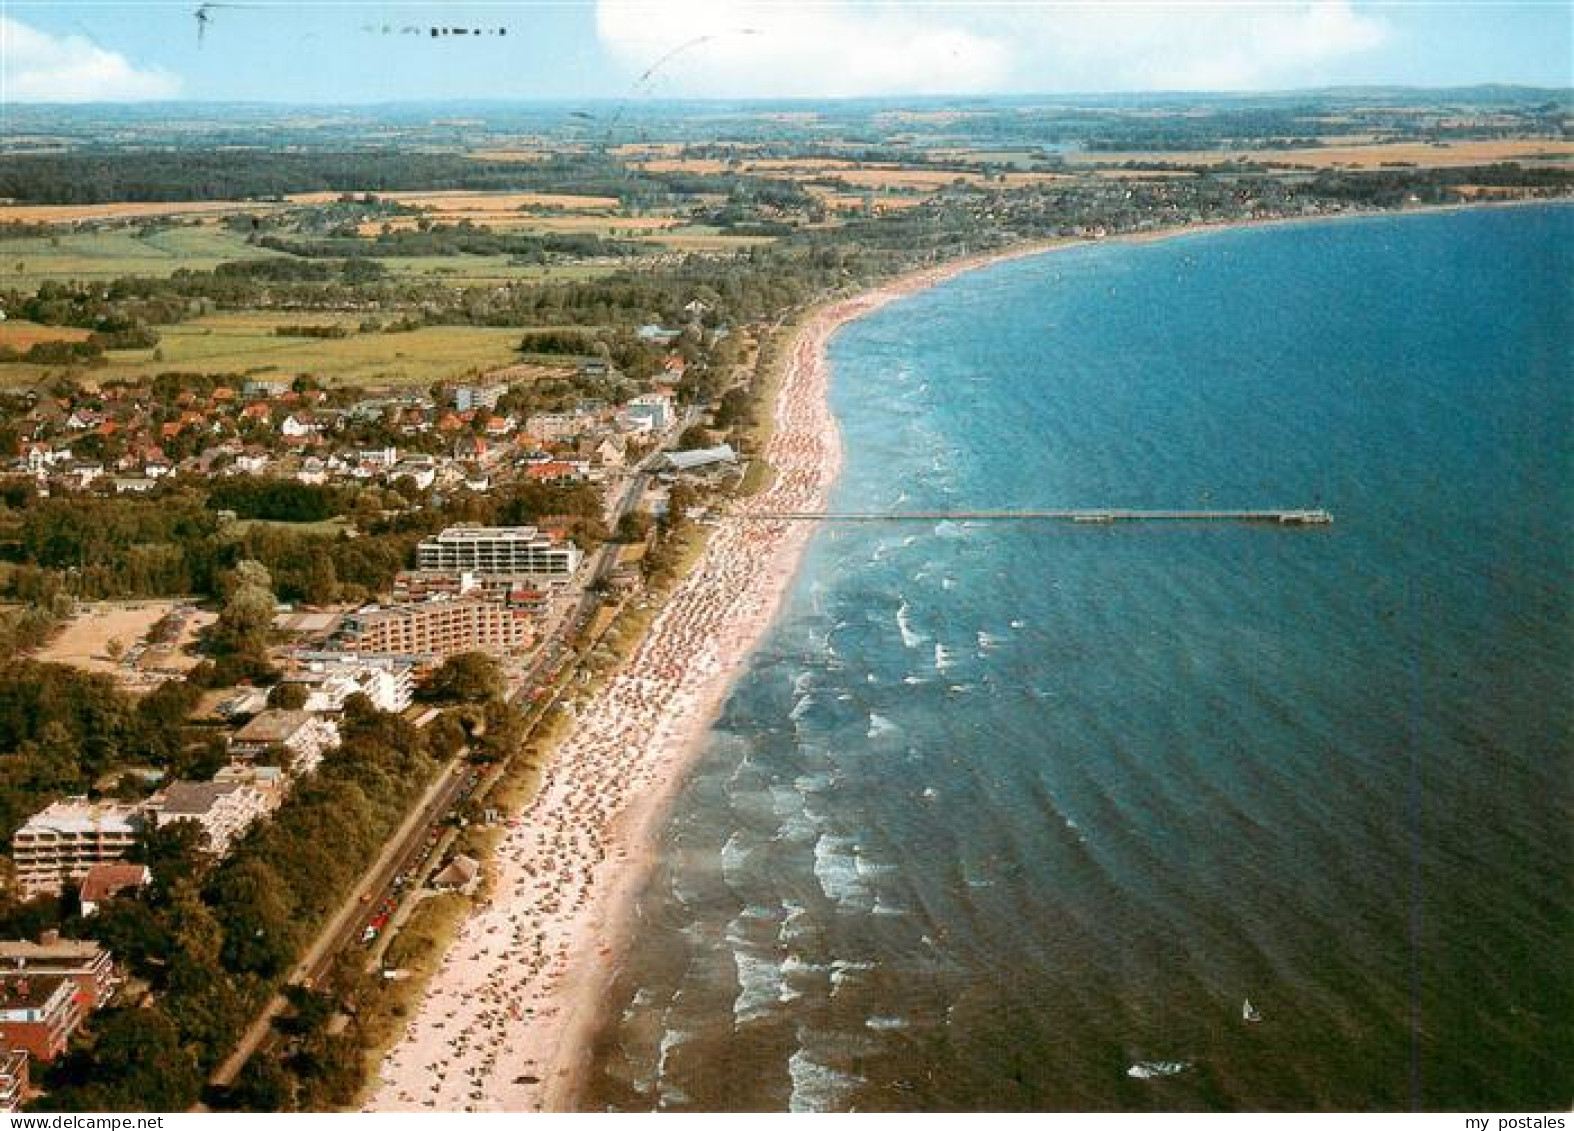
513 551
468 397
58 845
388 684
557 427
266 780
13 1079
84 961
306 736
656 408
224 810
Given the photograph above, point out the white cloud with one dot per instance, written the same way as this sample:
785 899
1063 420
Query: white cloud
38 67
816 49
856 47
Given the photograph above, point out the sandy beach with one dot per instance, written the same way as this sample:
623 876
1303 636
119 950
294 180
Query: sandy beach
507 1021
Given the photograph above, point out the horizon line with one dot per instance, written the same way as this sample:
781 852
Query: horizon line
712 100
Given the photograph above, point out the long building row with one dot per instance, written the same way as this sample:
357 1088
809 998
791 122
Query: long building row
60 845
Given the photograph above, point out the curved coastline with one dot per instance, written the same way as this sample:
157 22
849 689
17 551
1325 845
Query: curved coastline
508 1020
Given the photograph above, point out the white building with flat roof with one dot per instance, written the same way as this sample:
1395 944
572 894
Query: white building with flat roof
224 810
655 408
388 684
58 845
84 961
698 458
513 551
306 736
468 397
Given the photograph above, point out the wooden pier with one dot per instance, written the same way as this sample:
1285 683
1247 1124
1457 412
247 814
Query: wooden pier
1090 516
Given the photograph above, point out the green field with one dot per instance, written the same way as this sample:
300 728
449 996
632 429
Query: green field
111 253
702 237
493 269
245 344
330 527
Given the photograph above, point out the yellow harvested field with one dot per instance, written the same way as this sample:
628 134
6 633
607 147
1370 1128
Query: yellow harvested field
327 197
907 178
599 224
529 371
20 335
648 148
1141 174
499 201
618 223
1354 156
464 201
699 239
523 156
77 213
684 165
891 177
1017 180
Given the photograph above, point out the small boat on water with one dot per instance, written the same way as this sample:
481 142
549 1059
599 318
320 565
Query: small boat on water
1152 1069
1249 1012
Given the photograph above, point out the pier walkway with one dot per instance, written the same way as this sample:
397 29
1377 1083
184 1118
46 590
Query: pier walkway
1103 515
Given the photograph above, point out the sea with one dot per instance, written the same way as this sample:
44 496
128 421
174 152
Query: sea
1000 811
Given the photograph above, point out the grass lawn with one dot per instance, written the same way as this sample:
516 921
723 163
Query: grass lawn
700 237
330 527
493 269
115 252
246 343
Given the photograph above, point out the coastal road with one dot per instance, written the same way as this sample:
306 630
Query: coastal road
405 846
344 925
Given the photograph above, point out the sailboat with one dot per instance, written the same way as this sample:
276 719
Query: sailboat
1249 1012
1152 1069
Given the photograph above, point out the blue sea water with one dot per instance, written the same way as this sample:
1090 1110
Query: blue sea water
1000 810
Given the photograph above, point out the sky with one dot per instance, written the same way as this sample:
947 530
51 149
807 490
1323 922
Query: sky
368 51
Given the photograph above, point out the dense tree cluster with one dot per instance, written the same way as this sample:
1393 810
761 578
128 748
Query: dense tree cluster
94 175
97 547
213 940
280 500
470 677
452 239
62 729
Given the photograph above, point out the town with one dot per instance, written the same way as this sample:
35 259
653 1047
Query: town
337 476
489 612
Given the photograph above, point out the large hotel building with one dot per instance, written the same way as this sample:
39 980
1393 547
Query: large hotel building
508 551
58 845
438 628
